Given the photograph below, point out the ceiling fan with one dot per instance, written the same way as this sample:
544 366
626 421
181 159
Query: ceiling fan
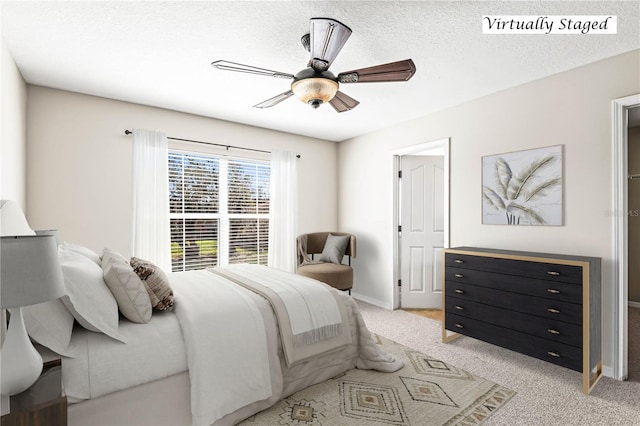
315 84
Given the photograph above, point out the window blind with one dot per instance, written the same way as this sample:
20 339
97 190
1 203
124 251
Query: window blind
219 210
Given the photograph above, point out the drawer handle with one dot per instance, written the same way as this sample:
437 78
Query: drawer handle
553 291
553 311
458 275
554 354
459 325
552 331
460 308
457 290
459 261
554 273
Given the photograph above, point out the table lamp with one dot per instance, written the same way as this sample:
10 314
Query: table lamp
30 273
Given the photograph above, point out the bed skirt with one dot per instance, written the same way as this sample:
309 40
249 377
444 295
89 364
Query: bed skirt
166 402
161 402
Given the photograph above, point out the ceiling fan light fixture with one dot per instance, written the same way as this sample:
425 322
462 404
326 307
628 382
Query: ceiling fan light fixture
315 90
316 85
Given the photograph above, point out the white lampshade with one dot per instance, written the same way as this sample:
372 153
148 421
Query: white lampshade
12 220
30 270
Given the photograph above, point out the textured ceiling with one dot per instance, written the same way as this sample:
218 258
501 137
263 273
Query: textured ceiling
159 54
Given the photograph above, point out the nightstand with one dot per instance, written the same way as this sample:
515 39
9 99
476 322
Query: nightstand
43 404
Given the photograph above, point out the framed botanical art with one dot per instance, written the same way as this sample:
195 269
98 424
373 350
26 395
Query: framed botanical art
523 187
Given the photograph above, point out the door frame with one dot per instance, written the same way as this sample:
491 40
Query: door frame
436 147
619 125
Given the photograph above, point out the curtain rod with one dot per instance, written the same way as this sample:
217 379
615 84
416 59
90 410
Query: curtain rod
128 132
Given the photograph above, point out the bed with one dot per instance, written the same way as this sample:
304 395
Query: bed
231 342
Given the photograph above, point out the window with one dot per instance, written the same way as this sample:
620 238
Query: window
219 210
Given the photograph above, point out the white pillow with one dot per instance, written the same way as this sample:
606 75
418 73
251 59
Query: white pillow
127 288
87 297
50 324
86 252
109 253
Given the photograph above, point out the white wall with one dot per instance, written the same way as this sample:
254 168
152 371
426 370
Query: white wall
572 108
79 175
13 134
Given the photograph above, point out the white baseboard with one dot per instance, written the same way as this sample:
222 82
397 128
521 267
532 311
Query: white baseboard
371 301
634 304
607 371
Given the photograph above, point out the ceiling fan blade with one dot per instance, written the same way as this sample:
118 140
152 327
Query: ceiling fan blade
328 36
232 66
393 71
342 102
275 100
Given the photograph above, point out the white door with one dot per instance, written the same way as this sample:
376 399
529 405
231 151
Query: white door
422 192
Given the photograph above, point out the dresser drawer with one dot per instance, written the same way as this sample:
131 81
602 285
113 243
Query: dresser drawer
555 310
524 268
528 302
554 352
545 328
539 288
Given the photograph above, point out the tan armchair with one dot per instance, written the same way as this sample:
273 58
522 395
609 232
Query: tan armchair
339 276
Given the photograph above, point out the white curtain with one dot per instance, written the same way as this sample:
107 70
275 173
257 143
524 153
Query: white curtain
151 238
283 211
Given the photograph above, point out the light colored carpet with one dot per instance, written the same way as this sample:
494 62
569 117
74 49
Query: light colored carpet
424 392
545 394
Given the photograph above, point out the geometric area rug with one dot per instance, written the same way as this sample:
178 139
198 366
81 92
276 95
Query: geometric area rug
425 392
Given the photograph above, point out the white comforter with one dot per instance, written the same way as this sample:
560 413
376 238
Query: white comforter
229 364
226 345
